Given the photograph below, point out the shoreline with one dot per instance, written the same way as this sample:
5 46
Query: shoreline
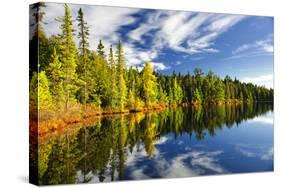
66 119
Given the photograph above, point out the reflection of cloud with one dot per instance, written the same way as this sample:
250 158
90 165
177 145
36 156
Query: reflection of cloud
162 140
267 119
176 168
245 152
138 174
180 142
186 164
262 152
190 163
200 161
268 155
206 160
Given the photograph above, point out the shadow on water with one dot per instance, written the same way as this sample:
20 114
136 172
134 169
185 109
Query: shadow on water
102 149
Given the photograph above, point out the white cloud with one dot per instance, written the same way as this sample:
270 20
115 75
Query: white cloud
178 63
265 45
262 80
241 48
185 32
103 21
159 66
257 48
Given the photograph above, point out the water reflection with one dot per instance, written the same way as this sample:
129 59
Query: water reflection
172 143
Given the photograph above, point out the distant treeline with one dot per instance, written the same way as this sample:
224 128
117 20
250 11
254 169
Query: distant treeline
67 75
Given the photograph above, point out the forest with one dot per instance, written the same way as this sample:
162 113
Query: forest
69 78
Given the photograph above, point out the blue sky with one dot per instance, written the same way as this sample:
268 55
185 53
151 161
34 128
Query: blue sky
237 45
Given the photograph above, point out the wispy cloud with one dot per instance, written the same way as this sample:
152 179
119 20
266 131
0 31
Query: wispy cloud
185 32
261 80
159 66
101 25
257 48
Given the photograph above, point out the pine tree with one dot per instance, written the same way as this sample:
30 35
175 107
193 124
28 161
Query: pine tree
33 91
101 49
149 84
177 92
44 95
39 45
68 57
83 36
114 91
121 84
55 75
197 96
162 95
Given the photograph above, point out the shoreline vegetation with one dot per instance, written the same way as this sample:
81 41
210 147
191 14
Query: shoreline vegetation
70 82
60 120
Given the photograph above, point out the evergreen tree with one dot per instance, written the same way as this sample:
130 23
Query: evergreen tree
56 76
101 49
177 92
121 84
149 84
44 95
114 91
83 36
197 96
68 57
39 46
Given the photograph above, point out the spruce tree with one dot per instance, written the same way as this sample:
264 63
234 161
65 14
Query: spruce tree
56 75
114 91
68 56
83 36
149 84
101 49
121 84
44 95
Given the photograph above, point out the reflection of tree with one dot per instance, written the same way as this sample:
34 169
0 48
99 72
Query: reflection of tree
62 161
121 147
101 150
150 134
83 145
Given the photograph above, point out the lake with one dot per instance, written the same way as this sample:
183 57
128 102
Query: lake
175 142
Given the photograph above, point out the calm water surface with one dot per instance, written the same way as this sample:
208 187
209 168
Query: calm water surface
179 142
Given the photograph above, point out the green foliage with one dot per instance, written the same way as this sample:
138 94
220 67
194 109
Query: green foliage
177 92
113 73
56 76
83 68
121 84
33 91
44 95
100 49
68 56
149 84
162 96
197 96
